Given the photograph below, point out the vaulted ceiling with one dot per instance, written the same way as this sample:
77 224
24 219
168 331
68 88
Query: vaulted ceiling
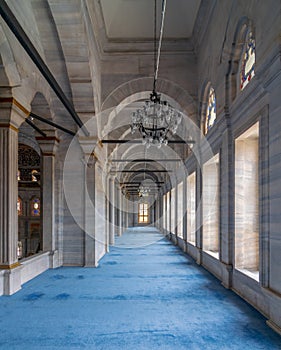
93 47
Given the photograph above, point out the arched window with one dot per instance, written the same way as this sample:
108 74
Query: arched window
34 175
211 114
19 206
35 207
248 61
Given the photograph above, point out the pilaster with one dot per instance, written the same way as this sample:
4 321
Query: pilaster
48 147
184 208
226 200
12 115
111 219
117 212
90 258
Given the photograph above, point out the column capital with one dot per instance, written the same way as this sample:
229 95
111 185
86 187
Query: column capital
13 113
111 177
88 144
48 145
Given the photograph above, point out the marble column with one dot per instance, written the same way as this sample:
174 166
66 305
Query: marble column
48 147
198 224
176 214
107 213
227 201
12 115
157 213
184 223
89 202
164 214
121 227
118 212
125 212
111 197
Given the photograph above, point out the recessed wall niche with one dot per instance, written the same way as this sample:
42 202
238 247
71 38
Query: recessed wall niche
246 202
211 206
191 208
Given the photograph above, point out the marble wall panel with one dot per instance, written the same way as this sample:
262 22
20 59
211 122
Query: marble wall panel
246 204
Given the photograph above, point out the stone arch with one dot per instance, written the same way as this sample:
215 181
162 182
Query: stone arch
40 107
28 140
9 75
27 135
174 91
135 92
12 84
4 80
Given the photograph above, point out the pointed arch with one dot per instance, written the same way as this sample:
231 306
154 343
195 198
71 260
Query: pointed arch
168 88
208 108
9 75
244 29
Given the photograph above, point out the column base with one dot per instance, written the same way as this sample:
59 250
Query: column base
12 280
274 313
111 237
96 264
227 270
9 267
54 259
198 258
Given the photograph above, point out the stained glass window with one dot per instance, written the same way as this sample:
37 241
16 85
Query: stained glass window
211 114
35 207
248 62
19 206
143 213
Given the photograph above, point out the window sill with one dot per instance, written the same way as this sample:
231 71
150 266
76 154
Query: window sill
252 274
214 254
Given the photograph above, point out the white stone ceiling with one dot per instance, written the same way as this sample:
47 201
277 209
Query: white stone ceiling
134 19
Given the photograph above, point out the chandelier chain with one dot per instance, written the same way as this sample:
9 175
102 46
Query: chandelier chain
155 43
157 118
160 40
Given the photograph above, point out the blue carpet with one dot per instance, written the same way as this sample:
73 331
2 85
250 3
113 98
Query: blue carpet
150 297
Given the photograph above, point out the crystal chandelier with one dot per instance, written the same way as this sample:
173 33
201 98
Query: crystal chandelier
157 118
144 191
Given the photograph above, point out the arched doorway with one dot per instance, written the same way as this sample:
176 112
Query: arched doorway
29 202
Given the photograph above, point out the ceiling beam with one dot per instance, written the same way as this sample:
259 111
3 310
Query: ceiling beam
144 160
140 141
125 183
44 120
141 171
150 184
29 122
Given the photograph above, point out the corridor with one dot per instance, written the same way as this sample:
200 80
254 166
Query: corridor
145 294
